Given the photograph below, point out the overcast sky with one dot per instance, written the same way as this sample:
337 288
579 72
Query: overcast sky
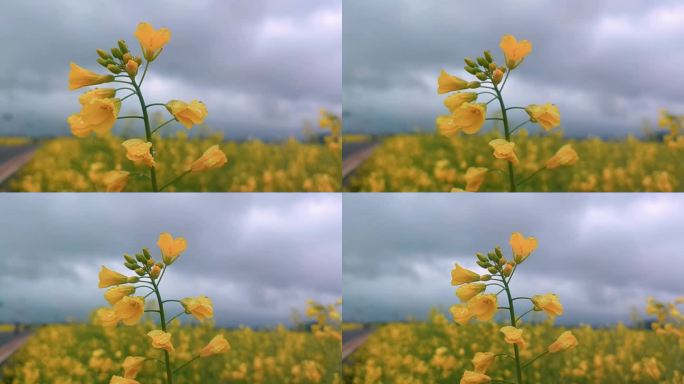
607 64
262 67
257 256
601 253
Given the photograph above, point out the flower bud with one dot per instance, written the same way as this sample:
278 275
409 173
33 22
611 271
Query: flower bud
116 52
472 70
154 273
138 60
474 84
129 258
497 76
492 256
140 257
103 54
122 46
102 62
114 69
127 56
482 61
507 270
140 272
488 56
131 67
491 66
149 262
485 277
492 270
502 261
131 266
146 253
481 257
133 279
502 69
481 76
470 62
483 264
498 252
160 265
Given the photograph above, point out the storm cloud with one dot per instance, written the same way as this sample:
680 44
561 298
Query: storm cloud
603 254
608 64
262 67
258 256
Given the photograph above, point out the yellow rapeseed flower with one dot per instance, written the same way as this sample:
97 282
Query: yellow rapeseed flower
651 368
170 248
548 303
200 307
483 306
460 275
109 278
217 345
461 313
138 151
474 178
504 150
467 291
482 361
211 158
98 116
115 181
471 377
457 99
132 366
522 247
565 156
132 67
470 117
97 93
449 83
151 40
564 342
161 340
513 335
113 295
188 114
122 380
107 317
514 50
130 309
546 115
80 77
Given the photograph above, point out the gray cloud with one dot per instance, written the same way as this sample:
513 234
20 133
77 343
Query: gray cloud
262 67
607 64
256 255
603 254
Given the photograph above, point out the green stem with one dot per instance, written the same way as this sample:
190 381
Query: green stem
523 315
519 126
163 124
186 364
129 117
174 318
511 174
175 179
162 319
153 104
511 311
535 359
532 175
147 63
148 133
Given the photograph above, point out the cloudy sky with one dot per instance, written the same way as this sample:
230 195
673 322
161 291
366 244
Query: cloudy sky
257 256
601 253
262 67
607 64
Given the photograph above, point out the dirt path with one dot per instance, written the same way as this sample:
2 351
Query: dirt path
13 158
352 341
355 156
11 344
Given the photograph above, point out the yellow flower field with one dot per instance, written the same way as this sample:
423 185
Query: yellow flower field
79 353
432 162
439 351
79 165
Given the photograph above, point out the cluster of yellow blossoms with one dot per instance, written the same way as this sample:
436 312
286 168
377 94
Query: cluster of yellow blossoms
128 309
468 116
328 323
101 106
330 121
673 123
484 306
669 325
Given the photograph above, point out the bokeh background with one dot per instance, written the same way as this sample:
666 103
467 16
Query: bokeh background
257 256
603 254
262 67
608 64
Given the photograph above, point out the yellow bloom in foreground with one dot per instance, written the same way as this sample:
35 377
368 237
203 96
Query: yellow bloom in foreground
113 295
460 275
474 178
513 335
217 345
546 115
651 368
461 313
564 342
522 247
470 117
161 340
115 181
210 159
514 50
483 307
132 366
98 116
188 114
80 77
109 278
548 303
457 99
151 40
130 309
565 156
97 93
504 150
138 151
446 125
199 306
107 317
470 377
122 380
170 248
132 67
482 361
448 83
467 291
